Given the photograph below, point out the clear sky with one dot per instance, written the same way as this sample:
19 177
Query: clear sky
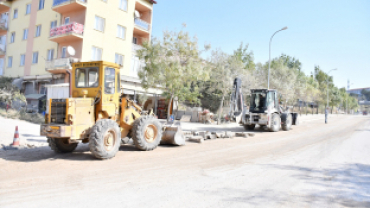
328 33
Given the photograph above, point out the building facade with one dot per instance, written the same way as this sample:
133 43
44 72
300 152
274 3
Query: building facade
41 38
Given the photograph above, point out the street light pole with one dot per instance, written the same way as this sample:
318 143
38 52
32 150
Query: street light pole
347 100
268 77
327 88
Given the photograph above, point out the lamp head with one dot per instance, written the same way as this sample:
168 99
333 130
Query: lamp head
284 28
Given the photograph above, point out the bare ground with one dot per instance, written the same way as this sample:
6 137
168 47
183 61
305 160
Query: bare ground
313 165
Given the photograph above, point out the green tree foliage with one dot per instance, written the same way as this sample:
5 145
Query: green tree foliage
366 94
173 64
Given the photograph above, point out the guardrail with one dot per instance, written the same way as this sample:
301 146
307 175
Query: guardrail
67 28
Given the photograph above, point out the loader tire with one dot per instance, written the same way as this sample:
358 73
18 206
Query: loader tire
287 121
249 127
275 123
61 145
105 139
146 133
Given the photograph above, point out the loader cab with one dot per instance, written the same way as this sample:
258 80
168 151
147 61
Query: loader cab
100 82
262 100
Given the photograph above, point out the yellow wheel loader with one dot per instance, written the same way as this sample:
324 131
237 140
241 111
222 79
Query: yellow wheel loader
99 114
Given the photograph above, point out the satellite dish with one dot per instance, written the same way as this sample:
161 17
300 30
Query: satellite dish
71 51
137 14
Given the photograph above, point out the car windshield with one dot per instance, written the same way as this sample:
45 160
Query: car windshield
258 100
87 77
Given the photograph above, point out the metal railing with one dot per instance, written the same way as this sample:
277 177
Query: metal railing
58 2
136 47
2 48
4 23
61 63
142 24
67 28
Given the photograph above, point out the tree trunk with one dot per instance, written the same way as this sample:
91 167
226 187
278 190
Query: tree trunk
169 108
220 110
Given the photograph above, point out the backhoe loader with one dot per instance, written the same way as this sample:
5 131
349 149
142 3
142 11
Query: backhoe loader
99 114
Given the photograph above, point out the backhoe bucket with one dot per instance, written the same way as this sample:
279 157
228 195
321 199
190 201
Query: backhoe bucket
173 135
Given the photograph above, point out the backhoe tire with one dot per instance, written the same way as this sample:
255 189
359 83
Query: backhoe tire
249 127
275 123
105 139
146 133
61 145
286 120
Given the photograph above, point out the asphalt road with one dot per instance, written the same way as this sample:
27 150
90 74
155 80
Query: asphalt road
313 165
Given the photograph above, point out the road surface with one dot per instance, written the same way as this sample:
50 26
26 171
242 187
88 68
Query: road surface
313 165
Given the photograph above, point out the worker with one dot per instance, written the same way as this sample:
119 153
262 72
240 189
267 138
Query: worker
326 115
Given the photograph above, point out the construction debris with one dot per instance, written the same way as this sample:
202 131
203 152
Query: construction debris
197 139
241 134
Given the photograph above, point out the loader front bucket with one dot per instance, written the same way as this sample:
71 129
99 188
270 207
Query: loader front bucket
173 135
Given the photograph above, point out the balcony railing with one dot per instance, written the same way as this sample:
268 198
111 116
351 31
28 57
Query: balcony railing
73 27
2 49
136 47
3 24
60 64
59 2
142 24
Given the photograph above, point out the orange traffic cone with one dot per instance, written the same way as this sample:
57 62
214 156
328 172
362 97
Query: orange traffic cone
16 137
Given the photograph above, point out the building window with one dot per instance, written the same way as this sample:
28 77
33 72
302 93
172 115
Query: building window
15 14
66 20
10 61
121 31
50 54
35 57
96 54
25 34
12 37
23 58
123 5
99 23
41 4
28 8
53 24
134 40
38 30
119 59
64 52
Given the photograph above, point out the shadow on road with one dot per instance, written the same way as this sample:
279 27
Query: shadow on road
45 153
346 185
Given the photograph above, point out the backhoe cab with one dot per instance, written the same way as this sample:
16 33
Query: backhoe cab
97 113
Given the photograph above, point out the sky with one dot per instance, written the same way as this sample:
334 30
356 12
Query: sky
329 33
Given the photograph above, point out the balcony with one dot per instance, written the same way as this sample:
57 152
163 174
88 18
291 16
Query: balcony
141 24
2 49
3 25
4 6
60 65
67 33
63 6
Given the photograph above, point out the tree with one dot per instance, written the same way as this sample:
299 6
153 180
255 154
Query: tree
366 94
247 58
224 69
173 64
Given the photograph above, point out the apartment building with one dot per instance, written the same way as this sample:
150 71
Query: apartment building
41 38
